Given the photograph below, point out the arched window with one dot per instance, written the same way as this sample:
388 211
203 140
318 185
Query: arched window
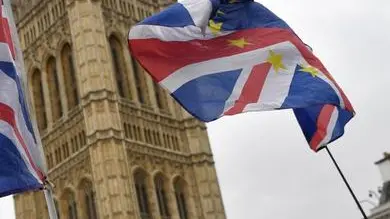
139 81
89 200
69 76
161 196
39 102
54 89
179 186
161 99
119 67
142 194
71 206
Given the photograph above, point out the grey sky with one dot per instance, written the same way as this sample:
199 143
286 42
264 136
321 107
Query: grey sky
265 167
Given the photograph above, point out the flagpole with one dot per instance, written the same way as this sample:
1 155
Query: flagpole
19 64
51 207
346 183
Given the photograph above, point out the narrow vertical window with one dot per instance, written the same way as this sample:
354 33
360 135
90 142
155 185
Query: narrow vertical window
181 199
70 80
89 201
138 80
72 206
54 91
142 195
161 196
161 99
39 102
157 95
119 67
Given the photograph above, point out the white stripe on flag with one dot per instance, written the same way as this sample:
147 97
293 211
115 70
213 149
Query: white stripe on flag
9 96
199 11
5 54
167 34
7 87
330 128
163 33
4 12
277 84
219 65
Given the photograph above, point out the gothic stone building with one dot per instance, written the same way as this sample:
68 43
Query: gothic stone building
116 144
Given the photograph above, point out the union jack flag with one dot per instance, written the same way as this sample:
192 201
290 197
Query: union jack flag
21 163
219 57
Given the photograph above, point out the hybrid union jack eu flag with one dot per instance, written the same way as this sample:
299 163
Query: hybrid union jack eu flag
22 166
219 57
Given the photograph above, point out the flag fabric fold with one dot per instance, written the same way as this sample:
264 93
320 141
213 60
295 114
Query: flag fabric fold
219 57
21 161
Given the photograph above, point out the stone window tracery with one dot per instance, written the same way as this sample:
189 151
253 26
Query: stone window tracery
180 195
39 102
159 183
119 67
54 89
89 200
70 80
142 194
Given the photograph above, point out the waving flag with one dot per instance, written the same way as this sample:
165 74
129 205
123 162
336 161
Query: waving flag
21 163
220 58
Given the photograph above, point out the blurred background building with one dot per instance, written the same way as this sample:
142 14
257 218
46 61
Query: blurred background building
382 209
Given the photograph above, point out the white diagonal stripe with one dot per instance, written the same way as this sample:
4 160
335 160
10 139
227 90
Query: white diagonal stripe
5 54
242 60
330 128
277 84
8 86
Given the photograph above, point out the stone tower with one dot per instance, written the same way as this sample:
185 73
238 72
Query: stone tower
116 144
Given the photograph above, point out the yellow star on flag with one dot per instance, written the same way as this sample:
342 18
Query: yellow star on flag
239 43
276 60
215 27
309 69
232 1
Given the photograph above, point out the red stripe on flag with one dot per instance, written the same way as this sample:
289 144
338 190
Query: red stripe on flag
8 115
322 126
5 32
252 88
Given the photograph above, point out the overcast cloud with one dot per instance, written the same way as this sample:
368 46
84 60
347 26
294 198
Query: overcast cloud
265 167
